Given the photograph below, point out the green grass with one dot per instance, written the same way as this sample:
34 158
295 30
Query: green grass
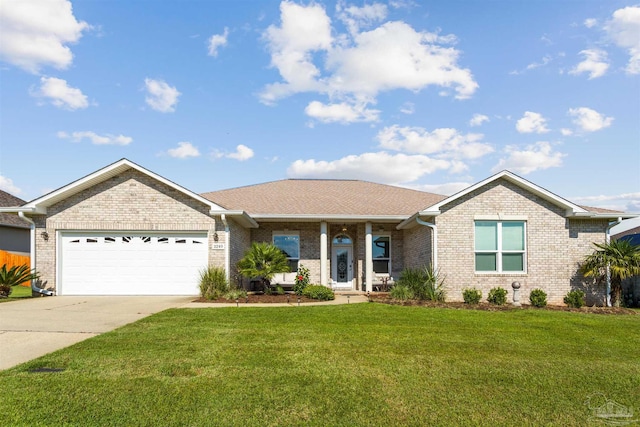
18 292
349 365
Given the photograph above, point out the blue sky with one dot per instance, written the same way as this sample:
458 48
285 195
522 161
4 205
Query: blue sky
428 95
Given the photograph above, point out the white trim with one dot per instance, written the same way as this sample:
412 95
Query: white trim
323 253
368 257
499 251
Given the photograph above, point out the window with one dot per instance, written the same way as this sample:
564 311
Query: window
500 246
289 244
381 258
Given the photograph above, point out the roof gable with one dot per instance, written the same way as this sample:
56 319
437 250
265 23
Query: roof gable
324 198
41 204
571 209
7 219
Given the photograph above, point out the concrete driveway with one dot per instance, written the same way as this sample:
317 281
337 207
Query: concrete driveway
34 327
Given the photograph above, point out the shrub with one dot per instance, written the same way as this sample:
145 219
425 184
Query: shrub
538 298
472 295
14 276
279 290
575 298
235 293
213 283
425 283
401 293
318 292
497 296
302 280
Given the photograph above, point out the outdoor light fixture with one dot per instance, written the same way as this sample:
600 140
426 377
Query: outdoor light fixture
45 235
344 228
215 236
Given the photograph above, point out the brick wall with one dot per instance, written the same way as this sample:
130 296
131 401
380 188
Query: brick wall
555 244
130 201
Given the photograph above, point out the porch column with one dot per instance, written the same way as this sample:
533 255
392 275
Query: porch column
323 253
368 250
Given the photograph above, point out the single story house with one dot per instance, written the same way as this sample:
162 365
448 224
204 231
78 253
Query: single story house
124 230
14 233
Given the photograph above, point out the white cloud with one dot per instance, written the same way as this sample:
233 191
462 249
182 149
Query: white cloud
36 33
624 30
443 142
6 184
378 167
160 96
217 41
183 151
242 153
61 94
96 139
595 63
408 108
590 22
566 132
538 156
588 120
355 17
532 123
361 64
341 112
478 120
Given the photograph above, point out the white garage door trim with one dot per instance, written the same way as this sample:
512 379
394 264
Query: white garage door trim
130 263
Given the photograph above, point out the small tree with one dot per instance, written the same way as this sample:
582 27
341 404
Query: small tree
620 257
263 260
14 276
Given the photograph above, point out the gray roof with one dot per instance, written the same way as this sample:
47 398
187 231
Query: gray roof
7 219
324 197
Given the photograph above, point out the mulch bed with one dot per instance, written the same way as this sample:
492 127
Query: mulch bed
262 299
386 299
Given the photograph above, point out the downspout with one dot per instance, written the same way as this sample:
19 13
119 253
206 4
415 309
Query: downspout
607 240
435 240
227 250
32 253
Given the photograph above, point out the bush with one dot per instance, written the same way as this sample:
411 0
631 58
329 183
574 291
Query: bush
401 293
425 283
213 283
302 280
575 298
538 298
279 290
235 293
472 295
318 292
497 296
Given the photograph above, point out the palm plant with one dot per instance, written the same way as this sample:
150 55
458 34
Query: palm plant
619 258
263 260
13 276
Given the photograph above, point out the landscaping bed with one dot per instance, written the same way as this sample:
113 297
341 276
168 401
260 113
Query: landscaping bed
260 298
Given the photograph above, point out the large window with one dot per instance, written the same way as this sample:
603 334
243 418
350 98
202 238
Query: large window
381 254
500 246
289 244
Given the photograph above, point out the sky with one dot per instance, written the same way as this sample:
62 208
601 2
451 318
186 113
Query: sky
429 95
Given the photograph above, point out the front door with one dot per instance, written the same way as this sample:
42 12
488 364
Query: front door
342 266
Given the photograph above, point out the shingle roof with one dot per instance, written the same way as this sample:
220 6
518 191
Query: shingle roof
324 197
8 200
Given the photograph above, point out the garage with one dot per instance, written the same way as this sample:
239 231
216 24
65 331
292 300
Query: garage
128 263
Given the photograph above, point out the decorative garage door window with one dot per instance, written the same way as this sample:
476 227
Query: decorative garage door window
139 240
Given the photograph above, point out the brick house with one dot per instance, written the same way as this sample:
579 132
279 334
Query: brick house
125 230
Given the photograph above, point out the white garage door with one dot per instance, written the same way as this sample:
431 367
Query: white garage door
131 263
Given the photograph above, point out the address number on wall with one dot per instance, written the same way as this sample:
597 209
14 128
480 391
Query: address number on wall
217 246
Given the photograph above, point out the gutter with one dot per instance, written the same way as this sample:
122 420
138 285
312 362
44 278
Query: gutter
32 229
607 241
435 241
227 250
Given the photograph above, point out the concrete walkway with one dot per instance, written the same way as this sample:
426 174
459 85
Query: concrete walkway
31 328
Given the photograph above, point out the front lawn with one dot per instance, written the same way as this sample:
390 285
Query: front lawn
18 292
357 364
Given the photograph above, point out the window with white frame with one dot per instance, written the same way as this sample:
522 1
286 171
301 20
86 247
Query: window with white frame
289 244
500 246
381 254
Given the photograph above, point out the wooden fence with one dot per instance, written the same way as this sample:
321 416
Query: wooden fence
12 259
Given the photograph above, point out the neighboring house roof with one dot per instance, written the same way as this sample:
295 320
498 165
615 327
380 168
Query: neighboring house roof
324 198
631 231
7 219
